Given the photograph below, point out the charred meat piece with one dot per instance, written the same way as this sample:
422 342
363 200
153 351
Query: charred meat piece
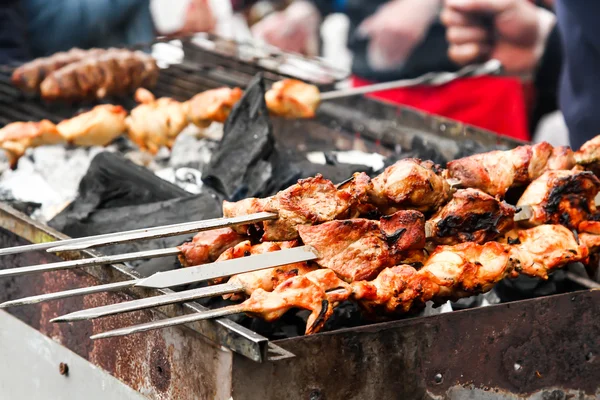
155 123
450 272
291 98
97 127
16 137
358 249
247 206
562 158
266 279
561 197
212 105
539 250
308 202
207 246
112 72
309 292
410 184
471 216
29 76
497 171
589 153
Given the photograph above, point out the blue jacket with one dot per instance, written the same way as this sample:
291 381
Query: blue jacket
12 32
580 80
59 25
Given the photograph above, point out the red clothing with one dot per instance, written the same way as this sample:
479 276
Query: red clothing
493 103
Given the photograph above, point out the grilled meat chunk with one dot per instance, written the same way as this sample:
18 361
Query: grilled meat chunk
16 137
291 98
97 127
265 279
589 153
410 184
561 197
212 105
29 76
207 246
112 72
539 250
471 216
155 123
450 272
310 201
562 158
497 171
309 292
359 248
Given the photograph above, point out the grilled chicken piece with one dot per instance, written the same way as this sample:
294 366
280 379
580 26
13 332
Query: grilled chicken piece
16 137
291 98
265 279
97 127
539 250
29 76
310 201
471 216
112 72
309 292
410 184
562 158
207 246
561 197
358 249
247 206
589 153
155 123
450 272
212 105
497 171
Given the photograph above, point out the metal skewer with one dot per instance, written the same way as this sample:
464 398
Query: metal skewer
165 323
181 320
183 276
491 67
150 302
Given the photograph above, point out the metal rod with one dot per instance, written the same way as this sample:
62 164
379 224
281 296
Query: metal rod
188 275
157 301
48 245
181 229
88 262
581 280
165 323
491 67
225 268
69 293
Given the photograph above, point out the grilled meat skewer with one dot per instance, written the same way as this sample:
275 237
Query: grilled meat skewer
451 272
16 137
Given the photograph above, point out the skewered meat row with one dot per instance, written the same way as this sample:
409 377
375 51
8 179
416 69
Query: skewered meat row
16 137
99 126
451 272
80 74
30 75
497 171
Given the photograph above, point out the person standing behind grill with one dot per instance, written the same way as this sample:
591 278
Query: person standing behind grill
402 39
526 39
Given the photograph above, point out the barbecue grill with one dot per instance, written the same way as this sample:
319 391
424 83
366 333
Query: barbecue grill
540 348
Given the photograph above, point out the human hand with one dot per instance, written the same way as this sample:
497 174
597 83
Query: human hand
516 34
198 17
395 29
295 29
